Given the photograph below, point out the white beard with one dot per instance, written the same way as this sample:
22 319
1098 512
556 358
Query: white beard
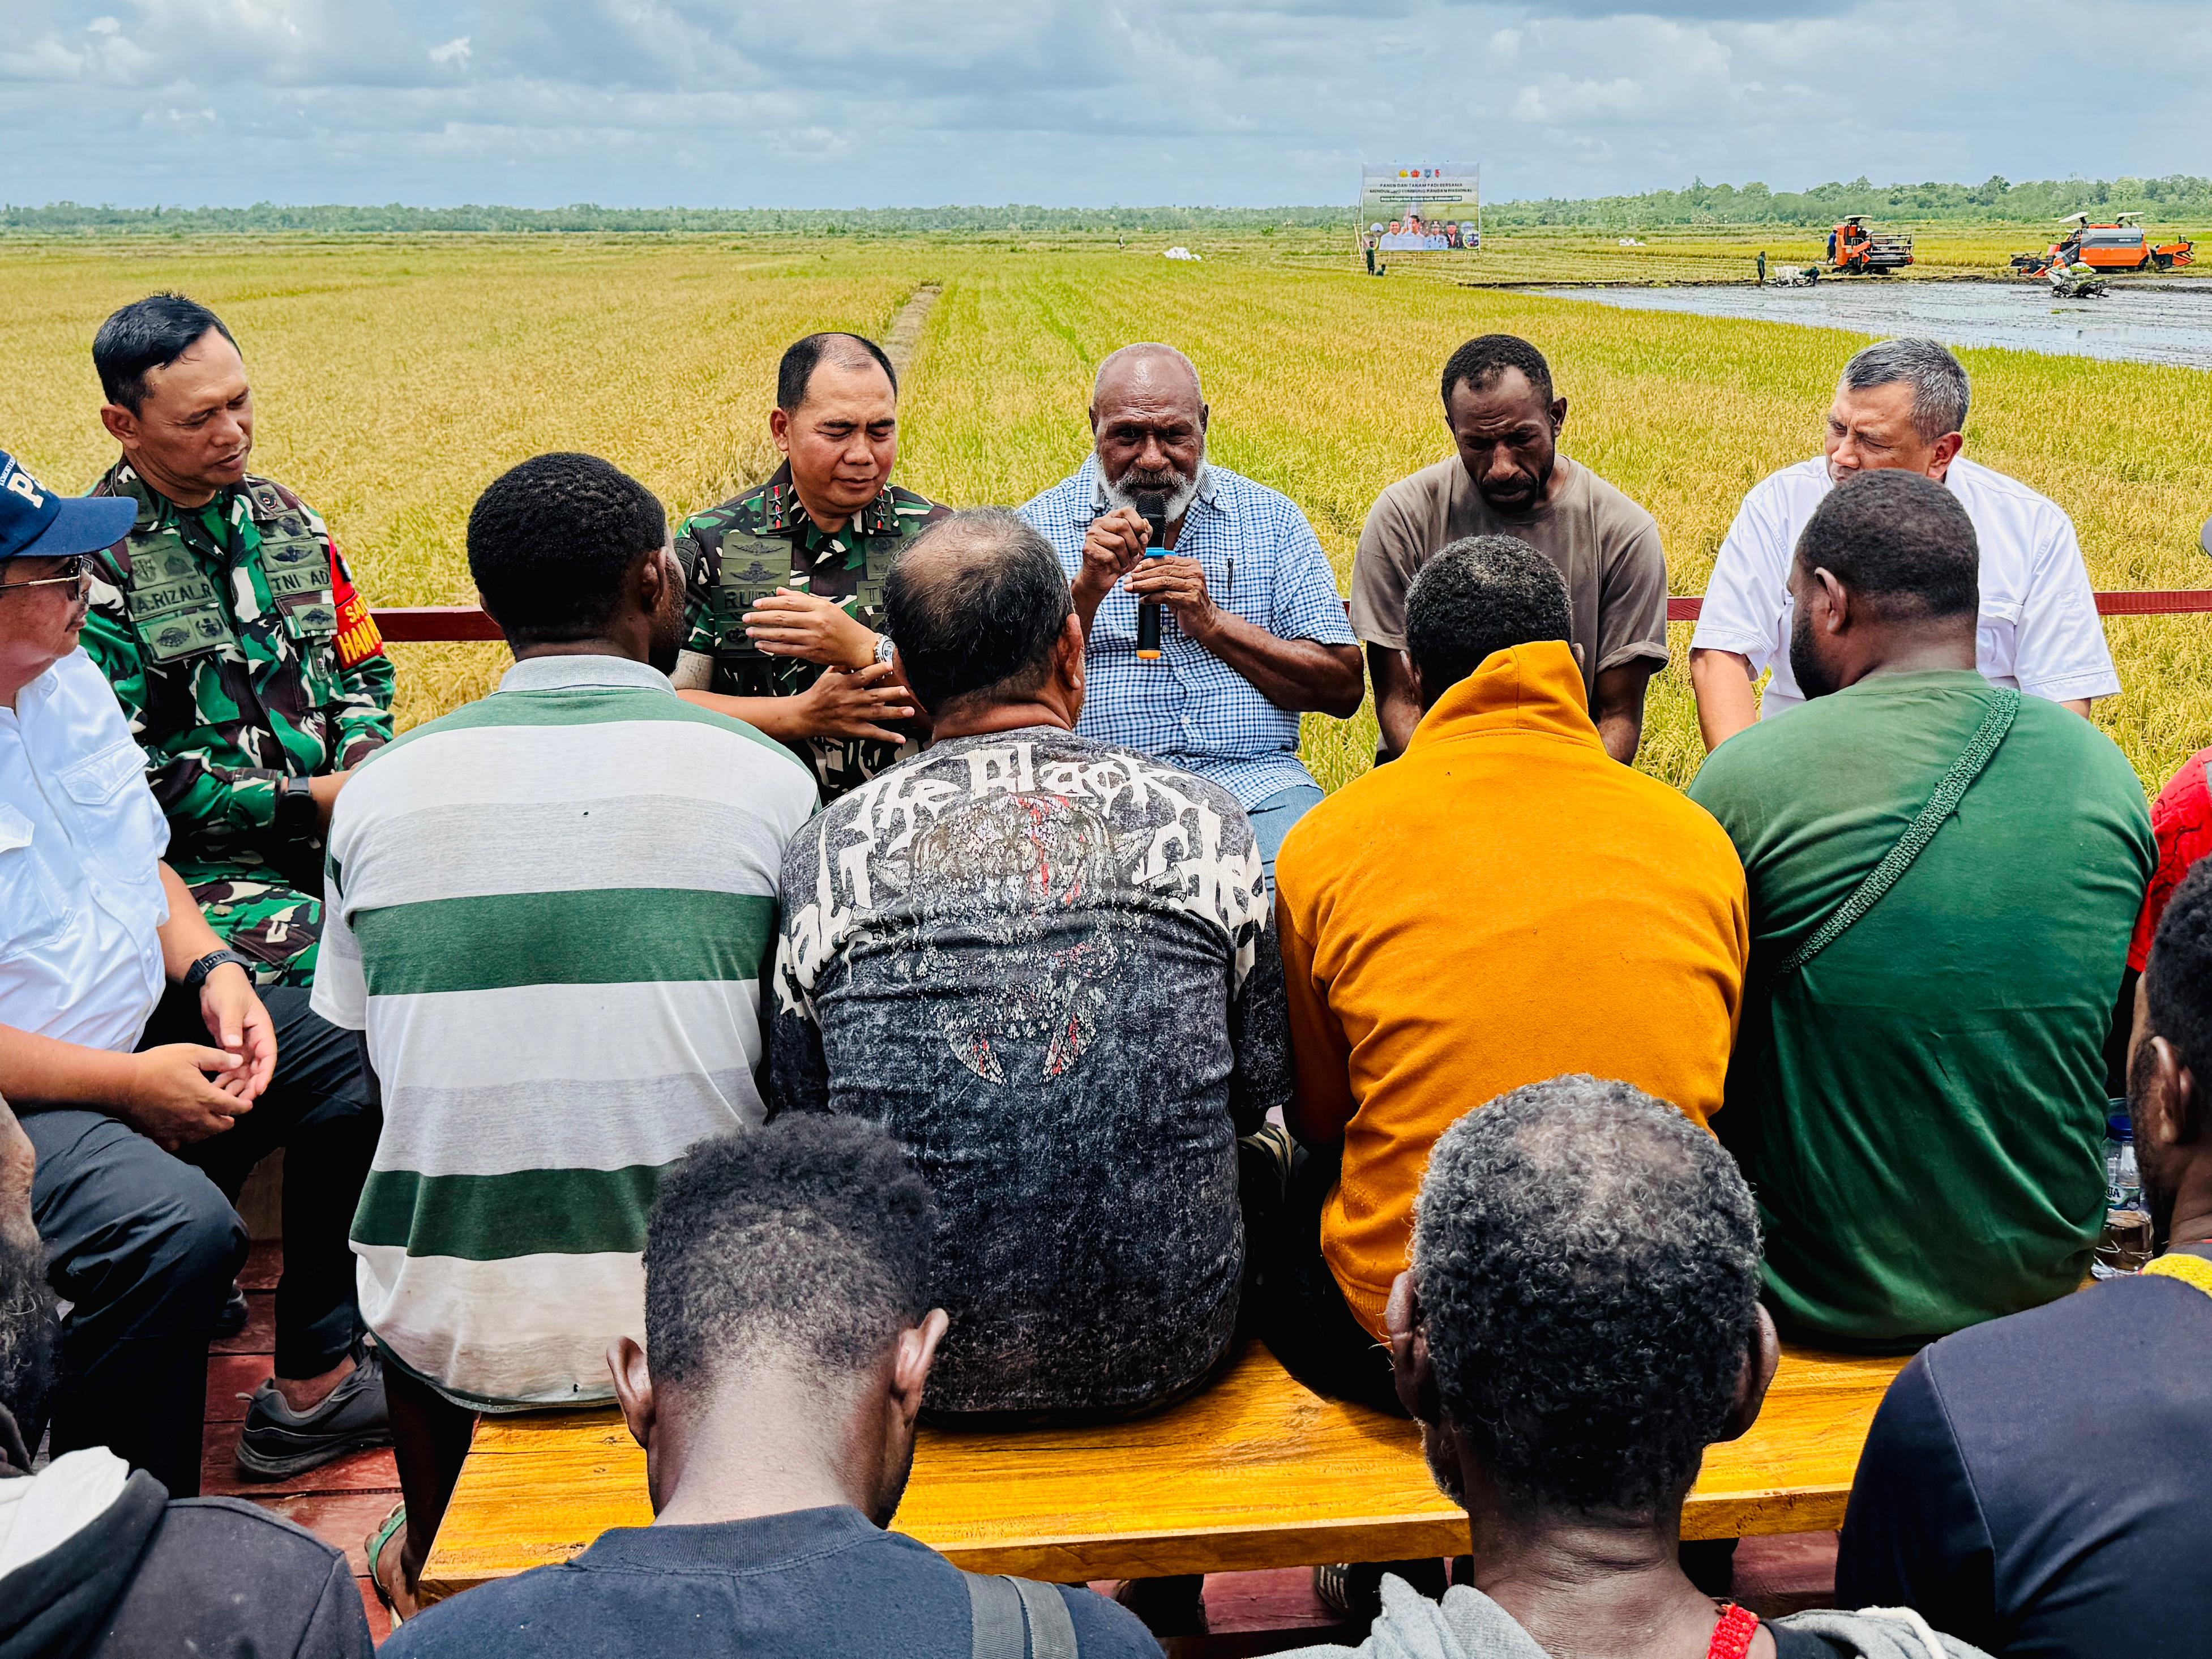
1178 499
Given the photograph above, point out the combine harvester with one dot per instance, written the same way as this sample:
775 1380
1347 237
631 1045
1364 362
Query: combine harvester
1855 251
2122 245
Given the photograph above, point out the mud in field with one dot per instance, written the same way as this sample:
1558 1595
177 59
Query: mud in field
2168 322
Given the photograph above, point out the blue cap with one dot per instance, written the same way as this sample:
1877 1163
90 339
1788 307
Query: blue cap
38 521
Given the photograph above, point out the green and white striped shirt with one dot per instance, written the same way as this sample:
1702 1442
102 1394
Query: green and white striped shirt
552 912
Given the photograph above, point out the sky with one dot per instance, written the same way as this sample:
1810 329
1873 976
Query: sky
1083 103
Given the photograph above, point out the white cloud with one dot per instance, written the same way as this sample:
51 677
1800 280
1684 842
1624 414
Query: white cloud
782 102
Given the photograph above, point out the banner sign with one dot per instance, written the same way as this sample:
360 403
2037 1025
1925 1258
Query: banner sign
1421 209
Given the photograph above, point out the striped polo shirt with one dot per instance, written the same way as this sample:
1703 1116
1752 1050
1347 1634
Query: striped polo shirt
551 911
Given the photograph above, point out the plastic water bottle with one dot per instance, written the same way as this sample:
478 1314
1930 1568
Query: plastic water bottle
2123 1186
2125 1244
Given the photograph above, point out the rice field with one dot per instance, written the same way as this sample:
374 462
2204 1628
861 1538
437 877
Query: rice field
395 377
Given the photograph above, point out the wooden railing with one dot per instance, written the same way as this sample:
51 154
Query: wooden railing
426 624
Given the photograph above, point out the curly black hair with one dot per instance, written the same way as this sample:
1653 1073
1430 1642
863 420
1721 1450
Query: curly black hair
551 541
1480 594
1487 357
1899 541
2177 983
1587 1261
808 1240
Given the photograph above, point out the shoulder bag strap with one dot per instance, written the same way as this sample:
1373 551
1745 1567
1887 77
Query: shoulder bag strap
1018 1619
994 1609
1052 1631
1922 830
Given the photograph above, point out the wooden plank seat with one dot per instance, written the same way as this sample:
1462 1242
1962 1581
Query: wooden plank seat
1257 1472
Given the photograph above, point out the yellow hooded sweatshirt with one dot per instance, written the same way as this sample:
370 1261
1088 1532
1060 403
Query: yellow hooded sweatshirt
1503 903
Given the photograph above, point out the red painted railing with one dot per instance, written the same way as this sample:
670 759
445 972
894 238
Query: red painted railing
424 625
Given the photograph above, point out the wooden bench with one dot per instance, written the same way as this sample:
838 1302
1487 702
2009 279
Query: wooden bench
1255 1473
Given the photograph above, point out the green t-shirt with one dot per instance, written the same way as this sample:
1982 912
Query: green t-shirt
1920 1108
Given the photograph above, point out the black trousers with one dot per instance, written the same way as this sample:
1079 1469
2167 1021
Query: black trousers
143 1244
1300 1311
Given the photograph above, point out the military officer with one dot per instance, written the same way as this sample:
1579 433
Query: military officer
785 604
247 663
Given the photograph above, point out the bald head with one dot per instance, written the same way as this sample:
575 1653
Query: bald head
1148 419
1150 368
979 606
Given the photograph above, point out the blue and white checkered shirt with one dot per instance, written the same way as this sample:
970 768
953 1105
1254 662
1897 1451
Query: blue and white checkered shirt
1191 709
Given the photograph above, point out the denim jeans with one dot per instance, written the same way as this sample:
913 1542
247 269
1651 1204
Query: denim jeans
1271 820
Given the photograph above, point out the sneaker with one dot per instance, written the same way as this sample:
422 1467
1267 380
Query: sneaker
278 1443
231 1320
1352 1590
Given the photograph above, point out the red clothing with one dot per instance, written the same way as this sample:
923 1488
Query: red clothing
2181 819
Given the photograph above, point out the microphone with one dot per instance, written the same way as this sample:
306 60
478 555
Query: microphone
1152 506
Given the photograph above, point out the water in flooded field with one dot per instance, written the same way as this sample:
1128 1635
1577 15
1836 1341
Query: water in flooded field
2169 322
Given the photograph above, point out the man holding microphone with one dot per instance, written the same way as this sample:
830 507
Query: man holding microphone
1252 630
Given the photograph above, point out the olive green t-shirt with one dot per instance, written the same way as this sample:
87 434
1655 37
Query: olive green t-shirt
1920 1108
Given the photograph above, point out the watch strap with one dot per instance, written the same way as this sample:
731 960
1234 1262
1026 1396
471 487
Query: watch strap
196 976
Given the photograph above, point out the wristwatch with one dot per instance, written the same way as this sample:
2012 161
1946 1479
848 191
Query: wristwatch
196 976
295 807
885 647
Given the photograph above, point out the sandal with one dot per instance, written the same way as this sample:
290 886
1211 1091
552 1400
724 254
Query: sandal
373 1547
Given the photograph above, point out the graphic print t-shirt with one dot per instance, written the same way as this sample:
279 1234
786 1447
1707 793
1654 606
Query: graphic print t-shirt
1047 966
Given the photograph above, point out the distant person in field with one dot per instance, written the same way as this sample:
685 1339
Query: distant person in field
550 913
1043 963
1900 405
1252 629
1580 1322
788 1335
248 667
2040 1482
1591 918
1944 875
1509 478
783 607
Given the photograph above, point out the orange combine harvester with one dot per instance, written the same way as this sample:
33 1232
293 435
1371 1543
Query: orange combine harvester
1854 249
2122 244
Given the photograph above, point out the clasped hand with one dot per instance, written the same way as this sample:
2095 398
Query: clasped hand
181 1092
811 628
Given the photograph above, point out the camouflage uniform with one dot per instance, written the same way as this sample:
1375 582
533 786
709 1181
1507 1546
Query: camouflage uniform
241 655
739 553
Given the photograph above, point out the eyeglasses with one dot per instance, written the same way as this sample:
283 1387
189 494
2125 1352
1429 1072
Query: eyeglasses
78 568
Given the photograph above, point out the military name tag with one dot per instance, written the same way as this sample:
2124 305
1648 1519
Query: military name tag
174 608
287 579
745 579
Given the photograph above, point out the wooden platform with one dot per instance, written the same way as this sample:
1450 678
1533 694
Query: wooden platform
1256 1473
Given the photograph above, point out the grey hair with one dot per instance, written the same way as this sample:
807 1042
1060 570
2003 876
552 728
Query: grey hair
1478 595
1587 1261
1938 381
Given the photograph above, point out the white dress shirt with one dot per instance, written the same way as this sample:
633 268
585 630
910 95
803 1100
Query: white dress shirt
2040 629
80 841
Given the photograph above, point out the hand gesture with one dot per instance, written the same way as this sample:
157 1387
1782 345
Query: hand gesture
1111 549
847 703
1180 585
240 1026
173 1098
811 628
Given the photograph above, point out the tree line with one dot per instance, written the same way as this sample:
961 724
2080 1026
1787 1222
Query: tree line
2164 200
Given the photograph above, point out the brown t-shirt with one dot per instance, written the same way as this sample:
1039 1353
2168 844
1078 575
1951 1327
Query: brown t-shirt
1606 546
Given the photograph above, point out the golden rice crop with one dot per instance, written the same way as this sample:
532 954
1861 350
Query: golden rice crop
395 376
